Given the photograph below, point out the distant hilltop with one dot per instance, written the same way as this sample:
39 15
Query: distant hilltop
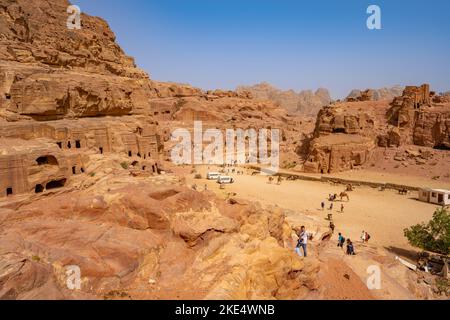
304 102
377 94
308 102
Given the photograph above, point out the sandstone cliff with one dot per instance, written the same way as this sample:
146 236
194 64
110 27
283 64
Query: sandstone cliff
83 133
348 133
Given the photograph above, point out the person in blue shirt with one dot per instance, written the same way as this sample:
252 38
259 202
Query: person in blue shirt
341 240
350 248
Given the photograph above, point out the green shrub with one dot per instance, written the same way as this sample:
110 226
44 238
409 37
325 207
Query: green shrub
433 236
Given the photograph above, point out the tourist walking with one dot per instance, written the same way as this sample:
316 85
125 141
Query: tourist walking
341 240
363 236
332 226
342 208
350 248
322 205
302 242
367 237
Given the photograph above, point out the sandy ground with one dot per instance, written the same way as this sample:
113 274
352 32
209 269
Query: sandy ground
398 178
384 214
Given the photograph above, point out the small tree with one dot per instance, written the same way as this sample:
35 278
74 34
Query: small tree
433 236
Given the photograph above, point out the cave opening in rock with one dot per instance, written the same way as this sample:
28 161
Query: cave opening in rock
101 150
7 96
442 146
59 144
56 184
47 160
130 154
339 130
9 192
82 170
139 155
78 144
39 188
74 170
153 169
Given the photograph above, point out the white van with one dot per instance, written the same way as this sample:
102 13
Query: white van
225 180
212 175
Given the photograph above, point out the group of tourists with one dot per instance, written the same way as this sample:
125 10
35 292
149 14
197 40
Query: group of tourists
350 249
234 171
304 236
322 205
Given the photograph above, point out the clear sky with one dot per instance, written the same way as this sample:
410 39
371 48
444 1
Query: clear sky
293 44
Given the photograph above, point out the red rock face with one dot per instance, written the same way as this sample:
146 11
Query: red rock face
346 134
146 241
432 128
83 133
60 85
35 31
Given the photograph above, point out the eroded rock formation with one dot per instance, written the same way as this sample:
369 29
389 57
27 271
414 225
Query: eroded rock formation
347 133
83 138
146 238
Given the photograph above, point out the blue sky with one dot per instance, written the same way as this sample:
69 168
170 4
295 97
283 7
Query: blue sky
293 44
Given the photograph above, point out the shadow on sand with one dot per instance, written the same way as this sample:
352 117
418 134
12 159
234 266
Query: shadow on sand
403 253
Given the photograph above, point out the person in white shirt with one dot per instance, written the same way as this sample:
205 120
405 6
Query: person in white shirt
363 236
302 242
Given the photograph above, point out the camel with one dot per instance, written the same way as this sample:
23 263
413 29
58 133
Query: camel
344 195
